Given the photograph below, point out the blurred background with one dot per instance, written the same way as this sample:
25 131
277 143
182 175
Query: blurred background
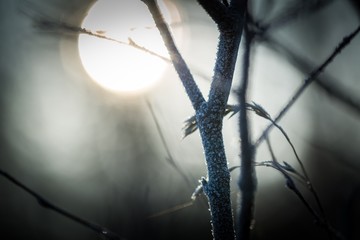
119 159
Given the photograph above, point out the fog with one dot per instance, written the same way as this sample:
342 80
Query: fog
100 155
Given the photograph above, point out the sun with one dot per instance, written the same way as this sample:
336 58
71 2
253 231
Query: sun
118 66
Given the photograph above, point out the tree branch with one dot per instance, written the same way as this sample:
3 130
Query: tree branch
312 77
229 41
238 5
181 67
48 205
324 83
170 159
289 15
224 70
247 181
216 10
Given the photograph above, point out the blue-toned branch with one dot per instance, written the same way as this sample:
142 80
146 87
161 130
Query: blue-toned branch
247 180
181 67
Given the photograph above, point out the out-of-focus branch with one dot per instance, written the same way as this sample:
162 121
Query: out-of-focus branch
48 205
170 159
301 9
247 180
310 79
325 82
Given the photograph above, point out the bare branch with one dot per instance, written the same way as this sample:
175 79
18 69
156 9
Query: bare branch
228 46
216 10
290 183
48 205
302 9
238 6
312 77
224 70
247 181
320 220
325 82
171 210
181 67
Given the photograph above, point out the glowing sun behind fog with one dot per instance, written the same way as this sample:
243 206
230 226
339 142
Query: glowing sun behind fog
120 67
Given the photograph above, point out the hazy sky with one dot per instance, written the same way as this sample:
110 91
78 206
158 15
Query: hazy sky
100 155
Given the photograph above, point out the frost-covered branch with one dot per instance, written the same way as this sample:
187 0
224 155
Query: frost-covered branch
181 67
217 10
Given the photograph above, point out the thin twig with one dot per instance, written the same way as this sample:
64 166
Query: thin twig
308 181
171 210
320 220
48 205
170 158
310 79
290 183
325 82
289 15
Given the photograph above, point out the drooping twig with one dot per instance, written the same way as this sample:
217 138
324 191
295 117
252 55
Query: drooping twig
48 205
310 79
320 220
289 182
259 110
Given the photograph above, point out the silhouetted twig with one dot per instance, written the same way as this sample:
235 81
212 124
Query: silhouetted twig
48 205
325 82
310 79
320 220
301 9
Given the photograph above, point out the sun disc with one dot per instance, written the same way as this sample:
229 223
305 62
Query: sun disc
118 66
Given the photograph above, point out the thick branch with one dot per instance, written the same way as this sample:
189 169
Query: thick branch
216 10
312 77
224 70
181 67
217 187
238 5
229 41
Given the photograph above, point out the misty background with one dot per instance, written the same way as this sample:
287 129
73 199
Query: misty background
100 155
